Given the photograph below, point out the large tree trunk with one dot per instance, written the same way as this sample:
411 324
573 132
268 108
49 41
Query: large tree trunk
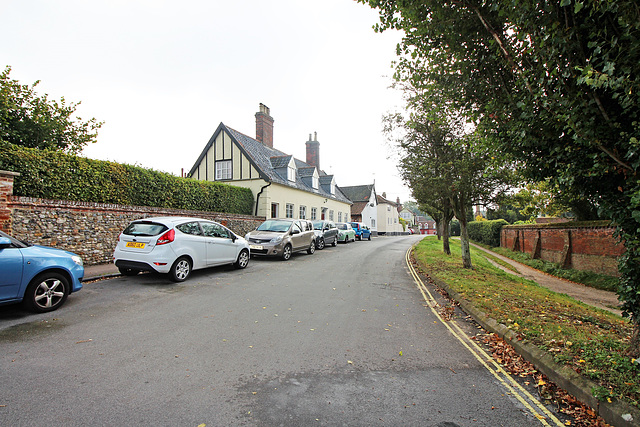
445 238
464 243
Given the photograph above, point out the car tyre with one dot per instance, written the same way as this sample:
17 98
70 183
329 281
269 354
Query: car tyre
286 253
312 248
335 242
243 259
369 238
180 270
46 292
320 244
128 271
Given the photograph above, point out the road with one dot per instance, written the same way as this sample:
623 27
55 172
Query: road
341 337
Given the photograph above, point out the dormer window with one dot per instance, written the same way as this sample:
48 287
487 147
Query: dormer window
333 188
291 173
315 180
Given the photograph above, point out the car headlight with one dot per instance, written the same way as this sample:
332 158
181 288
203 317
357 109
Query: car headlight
276 239
77 259
340 234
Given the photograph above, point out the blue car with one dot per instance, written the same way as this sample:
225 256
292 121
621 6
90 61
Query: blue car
362 230
38 276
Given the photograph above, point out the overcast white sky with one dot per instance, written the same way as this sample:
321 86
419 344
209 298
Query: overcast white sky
163 74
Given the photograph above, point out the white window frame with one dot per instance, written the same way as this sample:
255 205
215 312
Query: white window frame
224 170
303 212
289 210
331 215
314 214
339 216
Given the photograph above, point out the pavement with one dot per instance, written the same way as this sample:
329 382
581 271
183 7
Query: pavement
100 271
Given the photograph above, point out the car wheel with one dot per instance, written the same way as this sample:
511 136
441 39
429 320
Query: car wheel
286 253
46 292
180 270
243 259
335 242
320 244
369 238
128 271
312 248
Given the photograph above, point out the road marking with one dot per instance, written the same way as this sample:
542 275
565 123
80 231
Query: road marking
513 387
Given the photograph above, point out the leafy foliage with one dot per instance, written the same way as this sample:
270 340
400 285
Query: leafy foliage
57 175
554 84
34 121
487 232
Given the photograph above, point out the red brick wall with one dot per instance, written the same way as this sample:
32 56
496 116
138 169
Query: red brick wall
592 248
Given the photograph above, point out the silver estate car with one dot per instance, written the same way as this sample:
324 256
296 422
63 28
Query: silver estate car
282 237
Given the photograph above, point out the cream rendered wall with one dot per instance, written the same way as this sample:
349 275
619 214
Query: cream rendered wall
282 195
388 219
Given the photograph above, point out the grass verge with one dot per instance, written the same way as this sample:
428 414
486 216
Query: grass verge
587 278
589 340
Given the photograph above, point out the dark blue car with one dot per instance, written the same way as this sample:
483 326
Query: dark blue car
38 276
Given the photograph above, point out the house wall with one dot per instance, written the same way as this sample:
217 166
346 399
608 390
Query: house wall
370 214
592 248
388 220
282 195
88 229
224 149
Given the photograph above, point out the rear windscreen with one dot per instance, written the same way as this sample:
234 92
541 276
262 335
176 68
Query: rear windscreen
145 228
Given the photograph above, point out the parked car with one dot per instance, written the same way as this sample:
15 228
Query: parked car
346 233
177 245
282 237
362 230
326 233
38 276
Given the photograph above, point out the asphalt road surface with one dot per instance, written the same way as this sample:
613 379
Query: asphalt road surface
340 337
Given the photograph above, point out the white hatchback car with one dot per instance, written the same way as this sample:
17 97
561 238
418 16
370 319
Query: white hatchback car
177 245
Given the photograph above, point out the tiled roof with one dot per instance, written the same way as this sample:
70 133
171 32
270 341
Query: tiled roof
358 207
263 159
358 193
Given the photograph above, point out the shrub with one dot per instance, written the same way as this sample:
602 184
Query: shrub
487 232
59 176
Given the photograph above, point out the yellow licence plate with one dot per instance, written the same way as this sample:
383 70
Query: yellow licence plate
136 245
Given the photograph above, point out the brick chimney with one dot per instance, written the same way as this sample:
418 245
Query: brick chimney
313 151
264 126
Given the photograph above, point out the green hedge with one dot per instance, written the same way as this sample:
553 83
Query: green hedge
487 232
59 176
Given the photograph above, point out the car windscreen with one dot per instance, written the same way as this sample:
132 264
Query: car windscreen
145 228
277 226
318 225
15 242
342 226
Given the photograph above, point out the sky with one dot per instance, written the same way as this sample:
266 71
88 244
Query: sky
163 75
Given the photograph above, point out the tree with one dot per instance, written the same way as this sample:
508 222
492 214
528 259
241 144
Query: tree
444 164
34 121
554 84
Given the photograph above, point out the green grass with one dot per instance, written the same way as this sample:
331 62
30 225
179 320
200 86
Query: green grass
589 340
587 278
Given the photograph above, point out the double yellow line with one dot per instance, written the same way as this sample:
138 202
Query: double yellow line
508 382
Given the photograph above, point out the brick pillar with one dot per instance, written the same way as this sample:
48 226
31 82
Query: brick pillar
264 126
6 190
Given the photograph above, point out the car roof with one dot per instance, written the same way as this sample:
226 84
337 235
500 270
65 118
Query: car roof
170 220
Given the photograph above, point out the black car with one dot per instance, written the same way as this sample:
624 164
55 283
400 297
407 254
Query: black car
326 233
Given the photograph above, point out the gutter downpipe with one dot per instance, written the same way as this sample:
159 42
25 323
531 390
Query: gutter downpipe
258 197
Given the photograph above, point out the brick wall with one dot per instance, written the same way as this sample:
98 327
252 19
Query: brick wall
88 229
592 248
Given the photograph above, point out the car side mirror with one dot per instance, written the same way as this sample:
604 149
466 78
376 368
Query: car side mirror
4 242
295 232
233 237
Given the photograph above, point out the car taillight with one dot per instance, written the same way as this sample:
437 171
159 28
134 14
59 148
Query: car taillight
167 237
